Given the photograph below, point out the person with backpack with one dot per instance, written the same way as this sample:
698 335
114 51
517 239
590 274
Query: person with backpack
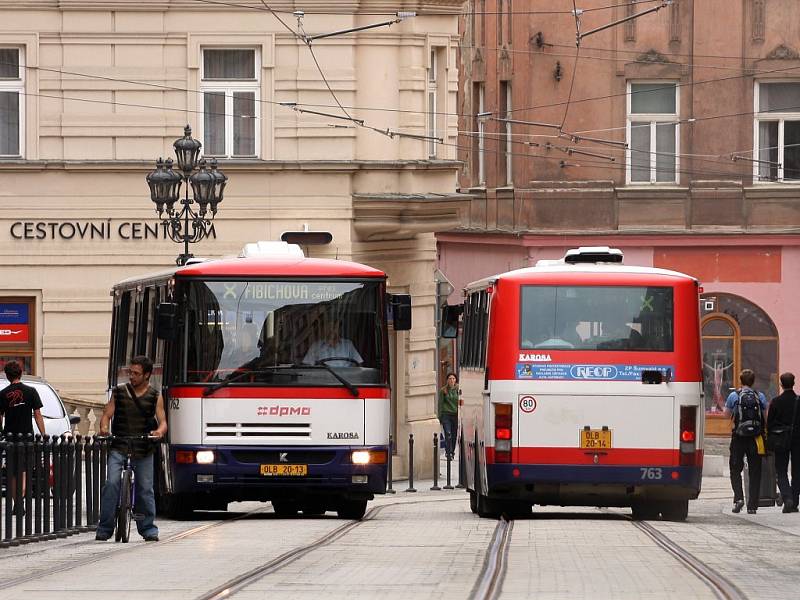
783 438
747 407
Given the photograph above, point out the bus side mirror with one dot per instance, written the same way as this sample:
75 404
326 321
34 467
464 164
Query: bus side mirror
448 327
167 320
401 311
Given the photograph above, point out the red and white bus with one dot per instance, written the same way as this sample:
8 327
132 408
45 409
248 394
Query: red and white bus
256 409
582 385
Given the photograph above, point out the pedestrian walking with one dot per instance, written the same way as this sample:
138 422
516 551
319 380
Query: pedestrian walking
20 405
447 412
137 409
747 409
783 438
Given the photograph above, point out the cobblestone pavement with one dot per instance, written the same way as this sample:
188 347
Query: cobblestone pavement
425 545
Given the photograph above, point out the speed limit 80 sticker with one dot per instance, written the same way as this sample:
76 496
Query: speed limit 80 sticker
527 404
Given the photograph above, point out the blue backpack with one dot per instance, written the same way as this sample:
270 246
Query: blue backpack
749 421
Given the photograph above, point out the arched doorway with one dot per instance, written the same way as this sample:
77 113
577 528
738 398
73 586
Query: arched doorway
736 335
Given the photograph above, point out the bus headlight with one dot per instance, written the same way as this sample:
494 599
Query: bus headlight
205 457
360 457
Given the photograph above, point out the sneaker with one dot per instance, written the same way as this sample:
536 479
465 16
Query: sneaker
752 511
151 538
737 506
102 537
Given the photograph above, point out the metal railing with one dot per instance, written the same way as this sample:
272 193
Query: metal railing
50 486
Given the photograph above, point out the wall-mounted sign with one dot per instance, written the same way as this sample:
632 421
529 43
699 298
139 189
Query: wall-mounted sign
93 230
14 323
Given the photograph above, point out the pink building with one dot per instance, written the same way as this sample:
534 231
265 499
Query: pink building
674 136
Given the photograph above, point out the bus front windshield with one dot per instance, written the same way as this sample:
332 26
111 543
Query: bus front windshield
283 333
596 318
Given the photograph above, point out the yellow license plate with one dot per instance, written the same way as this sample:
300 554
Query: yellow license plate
596 439
284 470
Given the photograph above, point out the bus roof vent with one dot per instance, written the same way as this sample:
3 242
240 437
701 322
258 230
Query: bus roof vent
593 254
271 250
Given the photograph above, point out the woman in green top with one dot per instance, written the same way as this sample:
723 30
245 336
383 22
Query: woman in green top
447 412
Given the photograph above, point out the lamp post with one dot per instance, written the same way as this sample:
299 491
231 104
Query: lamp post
186 225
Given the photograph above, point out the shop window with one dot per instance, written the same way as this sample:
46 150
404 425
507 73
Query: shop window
17 332
736 335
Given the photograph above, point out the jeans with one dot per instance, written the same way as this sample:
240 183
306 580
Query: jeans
450 427
145 498
741 447
788 492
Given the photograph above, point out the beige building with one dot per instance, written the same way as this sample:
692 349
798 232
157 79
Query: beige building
92 92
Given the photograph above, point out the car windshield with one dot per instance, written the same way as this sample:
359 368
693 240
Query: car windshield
286 333
52 407
596 318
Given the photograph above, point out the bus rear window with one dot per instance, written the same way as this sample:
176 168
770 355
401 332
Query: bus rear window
596 318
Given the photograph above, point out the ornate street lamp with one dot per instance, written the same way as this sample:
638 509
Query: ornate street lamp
186 225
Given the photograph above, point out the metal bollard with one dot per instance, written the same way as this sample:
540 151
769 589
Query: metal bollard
18 502
65 490
87 459
462 474
98 482
69 477
10 466
38 488
48 490
56 447
411 463
389 489
79 484
30 473
435 487
448 485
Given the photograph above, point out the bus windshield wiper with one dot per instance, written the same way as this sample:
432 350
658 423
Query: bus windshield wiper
236 377
350 387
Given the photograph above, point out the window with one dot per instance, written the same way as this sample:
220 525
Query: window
479 140
18 332
506 154
652 132
596 318
12 88
777 131
230 88
436 98
476 325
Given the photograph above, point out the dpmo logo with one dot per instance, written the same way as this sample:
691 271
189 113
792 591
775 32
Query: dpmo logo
593 372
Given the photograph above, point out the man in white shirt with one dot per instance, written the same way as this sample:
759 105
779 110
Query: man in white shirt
333 350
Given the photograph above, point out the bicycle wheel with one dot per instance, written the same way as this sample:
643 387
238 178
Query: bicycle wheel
124 511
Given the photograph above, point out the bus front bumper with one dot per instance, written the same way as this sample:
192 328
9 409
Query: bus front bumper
242 473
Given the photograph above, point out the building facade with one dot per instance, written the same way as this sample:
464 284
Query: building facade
674 135
91 93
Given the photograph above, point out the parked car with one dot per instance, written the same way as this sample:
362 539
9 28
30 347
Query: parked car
56 420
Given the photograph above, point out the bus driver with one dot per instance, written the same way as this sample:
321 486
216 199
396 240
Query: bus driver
332 350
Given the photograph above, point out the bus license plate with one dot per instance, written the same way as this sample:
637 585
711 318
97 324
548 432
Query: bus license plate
284 470
596 439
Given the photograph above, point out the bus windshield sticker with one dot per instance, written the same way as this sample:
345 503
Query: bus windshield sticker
587 372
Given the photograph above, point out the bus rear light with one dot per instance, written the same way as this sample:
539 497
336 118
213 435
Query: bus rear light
688 436
184 457
502 432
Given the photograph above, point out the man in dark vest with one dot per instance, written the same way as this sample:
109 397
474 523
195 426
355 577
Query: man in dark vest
133 407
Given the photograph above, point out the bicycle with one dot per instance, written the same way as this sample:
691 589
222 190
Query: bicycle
127 489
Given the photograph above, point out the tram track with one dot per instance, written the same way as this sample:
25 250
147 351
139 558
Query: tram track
243 580
490 580
721 587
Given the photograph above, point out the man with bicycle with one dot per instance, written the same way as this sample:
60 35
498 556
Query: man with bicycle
138 410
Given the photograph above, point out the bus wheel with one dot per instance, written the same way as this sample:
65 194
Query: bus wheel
644 512
352 509
675 510
284 508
